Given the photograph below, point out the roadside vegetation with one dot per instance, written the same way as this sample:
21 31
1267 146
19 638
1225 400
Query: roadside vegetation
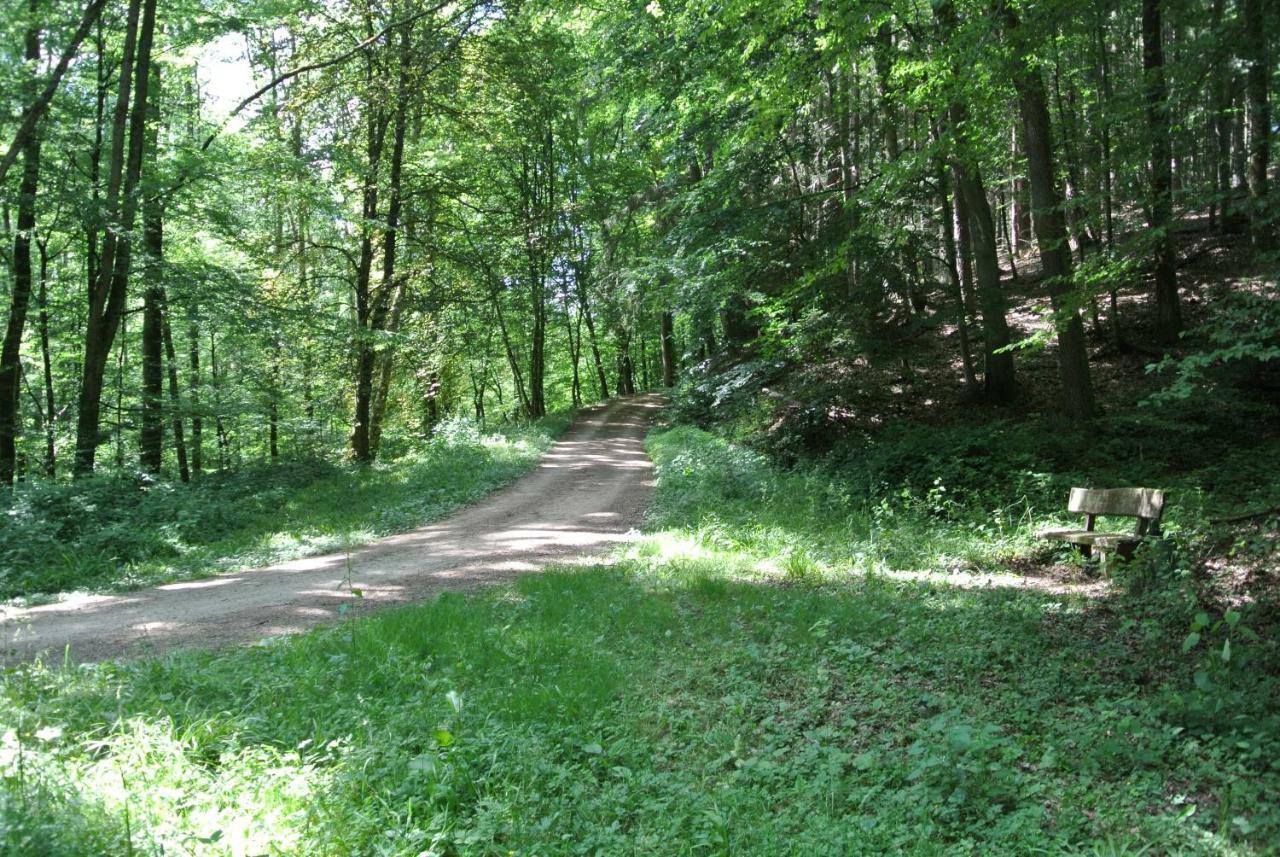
110 533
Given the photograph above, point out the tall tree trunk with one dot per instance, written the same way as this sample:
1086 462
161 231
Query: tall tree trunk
1051 230
193 380
20 300
1257 79
175 402
108 298
375 140
964 251
1221 127
1168 309
580 291
92 222
953 276
537 350
513 362
1108 176
51 415
151 435
575 352
668 333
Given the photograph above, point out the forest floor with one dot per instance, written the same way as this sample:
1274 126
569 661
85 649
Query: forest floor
587 494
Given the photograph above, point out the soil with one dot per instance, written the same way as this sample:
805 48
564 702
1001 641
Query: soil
587 494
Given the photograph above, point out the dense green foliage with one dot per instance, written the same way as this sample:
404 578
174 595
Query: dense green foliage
101 533
727 687
273 272
339 221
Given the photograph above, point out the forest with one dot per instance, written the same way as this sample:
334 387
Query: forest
777 333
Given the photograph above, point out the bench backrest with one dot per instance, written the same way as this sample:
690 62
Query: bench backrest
1145 504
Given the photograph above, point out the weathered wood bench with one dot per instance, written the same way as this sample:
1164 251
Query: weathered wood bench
1144 504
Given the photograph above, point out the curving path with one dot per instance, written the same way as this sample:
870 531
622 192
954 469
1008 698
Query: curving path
588 493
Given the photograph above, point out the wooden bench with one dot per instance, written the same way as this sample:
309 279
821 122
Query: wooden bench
1145 504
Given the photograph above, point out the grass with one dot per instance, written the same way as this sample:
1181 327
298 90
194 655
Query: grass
749 679
112 533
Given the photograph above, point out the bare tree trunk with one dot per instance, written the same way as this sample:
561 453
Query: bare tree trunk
197 423
1259 115
51 415
668 334
953 276
1221 127
151 435
20 300
175 403
580 291
1168 308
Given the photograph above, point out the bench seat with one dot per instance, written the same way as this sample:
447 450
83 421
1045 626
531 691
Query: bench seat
1087 537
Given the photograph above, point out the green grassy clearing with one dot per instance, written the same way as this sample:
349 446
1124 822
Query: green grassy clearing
730 686
105 533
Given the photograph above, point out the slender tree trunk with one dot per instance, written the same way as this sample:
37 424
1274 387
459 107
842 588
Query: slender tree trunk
575 353
580 291
964 252
1051 231
20 300
1257 79
197 423
1168 308
51 415
91 222
512 361
1108 177
175 403
1221 123
151 435
953 276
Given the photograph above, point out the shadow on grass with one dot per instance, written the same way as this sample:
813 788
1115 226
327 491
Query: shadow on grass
659 705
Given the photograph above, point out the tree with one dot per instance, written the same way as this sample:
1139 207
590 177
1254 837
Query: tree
1050 226
10 360
1168 307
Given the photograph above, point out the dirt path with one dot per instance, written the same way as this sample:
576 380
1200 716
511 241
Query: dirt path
588 493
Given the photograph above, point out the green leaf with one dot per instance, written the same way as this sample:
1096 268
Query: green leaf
592 749
1226 651
444 738
1203 681
1190 642
1232 618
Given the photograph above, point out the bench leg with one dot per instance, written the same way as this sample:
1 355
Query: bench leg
1103 555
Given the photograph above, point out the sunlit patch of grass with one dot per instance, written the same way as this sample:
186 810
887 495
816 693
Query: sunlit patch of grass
807 524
